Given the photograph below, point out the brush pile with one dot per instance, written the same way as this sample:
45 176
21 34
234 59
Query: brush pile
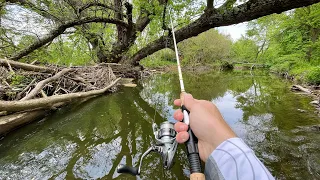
29 88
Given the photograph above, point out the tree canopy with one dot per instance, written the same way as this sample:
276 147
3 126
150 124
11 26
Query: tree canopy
118 30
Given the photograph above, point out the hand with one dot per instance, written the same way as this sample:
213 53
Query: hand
206 123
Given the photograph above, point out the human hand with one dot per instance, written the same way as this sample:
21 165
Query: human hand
206 123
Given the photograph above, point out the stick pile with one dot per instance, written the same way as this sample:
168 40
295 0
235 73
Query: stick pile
29 88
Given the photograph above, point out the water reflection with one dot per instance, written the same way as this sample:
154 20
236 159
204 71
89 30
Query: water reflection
89 140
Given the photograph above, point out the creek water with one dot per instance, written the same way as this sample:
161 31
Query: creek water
89 140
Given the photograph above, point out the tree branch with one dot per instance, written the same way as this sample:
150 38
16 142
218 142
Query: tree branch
91 4
29 5
60 29
42 83
210 4
25 66
250 10
143 20
228 4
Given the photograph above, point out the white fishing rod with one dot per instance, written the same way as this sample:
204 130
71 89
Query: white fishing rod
192 143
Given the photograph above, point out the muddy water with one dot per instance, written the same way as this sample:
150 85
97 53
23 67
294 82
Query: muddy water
89 140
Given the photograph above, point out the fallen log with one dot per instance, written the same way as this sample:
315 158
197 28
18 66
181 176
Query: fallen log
42 103
300 88
24 66
12 121
42 83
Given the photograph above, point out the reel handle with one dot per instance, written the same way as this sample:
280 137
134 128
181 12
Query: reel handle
128 170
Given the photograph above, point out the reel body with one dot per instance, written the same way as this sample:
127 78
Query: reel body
166 146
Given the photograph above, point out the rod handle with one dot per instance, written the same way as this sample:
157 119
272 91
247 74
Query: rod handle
197 176
192 146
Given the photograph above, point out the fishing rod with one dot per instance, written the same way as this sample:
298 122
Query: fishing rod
165 137
192 142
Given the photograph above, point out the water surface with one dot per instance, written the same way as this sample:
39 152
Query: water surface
88 141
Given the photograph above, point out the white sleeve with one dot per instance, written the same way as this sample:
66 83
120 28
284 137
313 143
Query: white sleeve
233 159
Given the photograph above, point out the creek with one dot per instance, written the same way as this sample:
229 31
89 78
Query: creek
89 140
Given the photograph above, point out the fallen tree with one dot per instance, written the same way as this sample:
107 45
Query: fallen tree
47 102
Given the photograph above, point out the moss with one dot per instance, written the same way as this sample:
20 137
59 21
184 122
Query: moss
16 79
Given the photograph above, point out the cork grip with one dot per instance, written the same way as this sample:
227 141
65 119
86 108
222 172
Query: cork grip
197 176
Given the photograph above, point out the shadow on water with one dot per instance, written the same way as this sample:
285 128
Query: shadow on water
90 140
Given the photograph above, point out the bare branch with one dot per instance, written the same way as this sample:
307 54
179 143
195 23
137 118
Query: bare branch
25 66
42 83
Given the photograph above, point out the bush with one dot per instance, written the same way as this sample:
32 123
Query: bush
313 77
165 57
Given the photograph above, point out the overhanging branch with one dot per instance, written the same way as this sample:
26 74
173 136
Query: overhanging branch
210 4
60 29
228 4
98 4
253 9
29 5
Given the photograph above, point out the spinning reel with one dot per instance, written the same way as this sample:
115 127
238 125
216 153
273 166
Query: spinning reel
166 146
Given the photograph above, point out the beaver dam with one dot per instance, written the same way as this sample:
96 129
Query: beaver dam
29 92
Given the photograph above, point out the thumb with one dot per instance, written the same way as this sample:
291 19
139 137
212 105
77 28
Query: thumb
187 100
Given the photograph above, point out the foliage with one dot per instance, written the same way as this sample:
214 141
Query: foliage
314 75
72 51
207 47
162 58
16 79
288 42
244 50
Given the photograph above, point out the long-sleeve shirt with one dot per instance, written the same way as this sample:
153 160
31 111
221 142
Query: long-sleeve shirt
234 160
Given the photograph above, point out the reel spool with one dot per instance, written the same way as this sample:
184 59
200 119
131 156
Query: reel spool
166 146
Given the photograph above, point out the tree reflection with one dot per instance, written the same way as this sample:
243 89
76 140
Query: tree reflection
90 140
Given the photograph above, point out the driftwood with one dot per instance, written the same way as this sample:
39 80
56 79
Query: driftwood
40 103
25 89
300 88
24 66
42 83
